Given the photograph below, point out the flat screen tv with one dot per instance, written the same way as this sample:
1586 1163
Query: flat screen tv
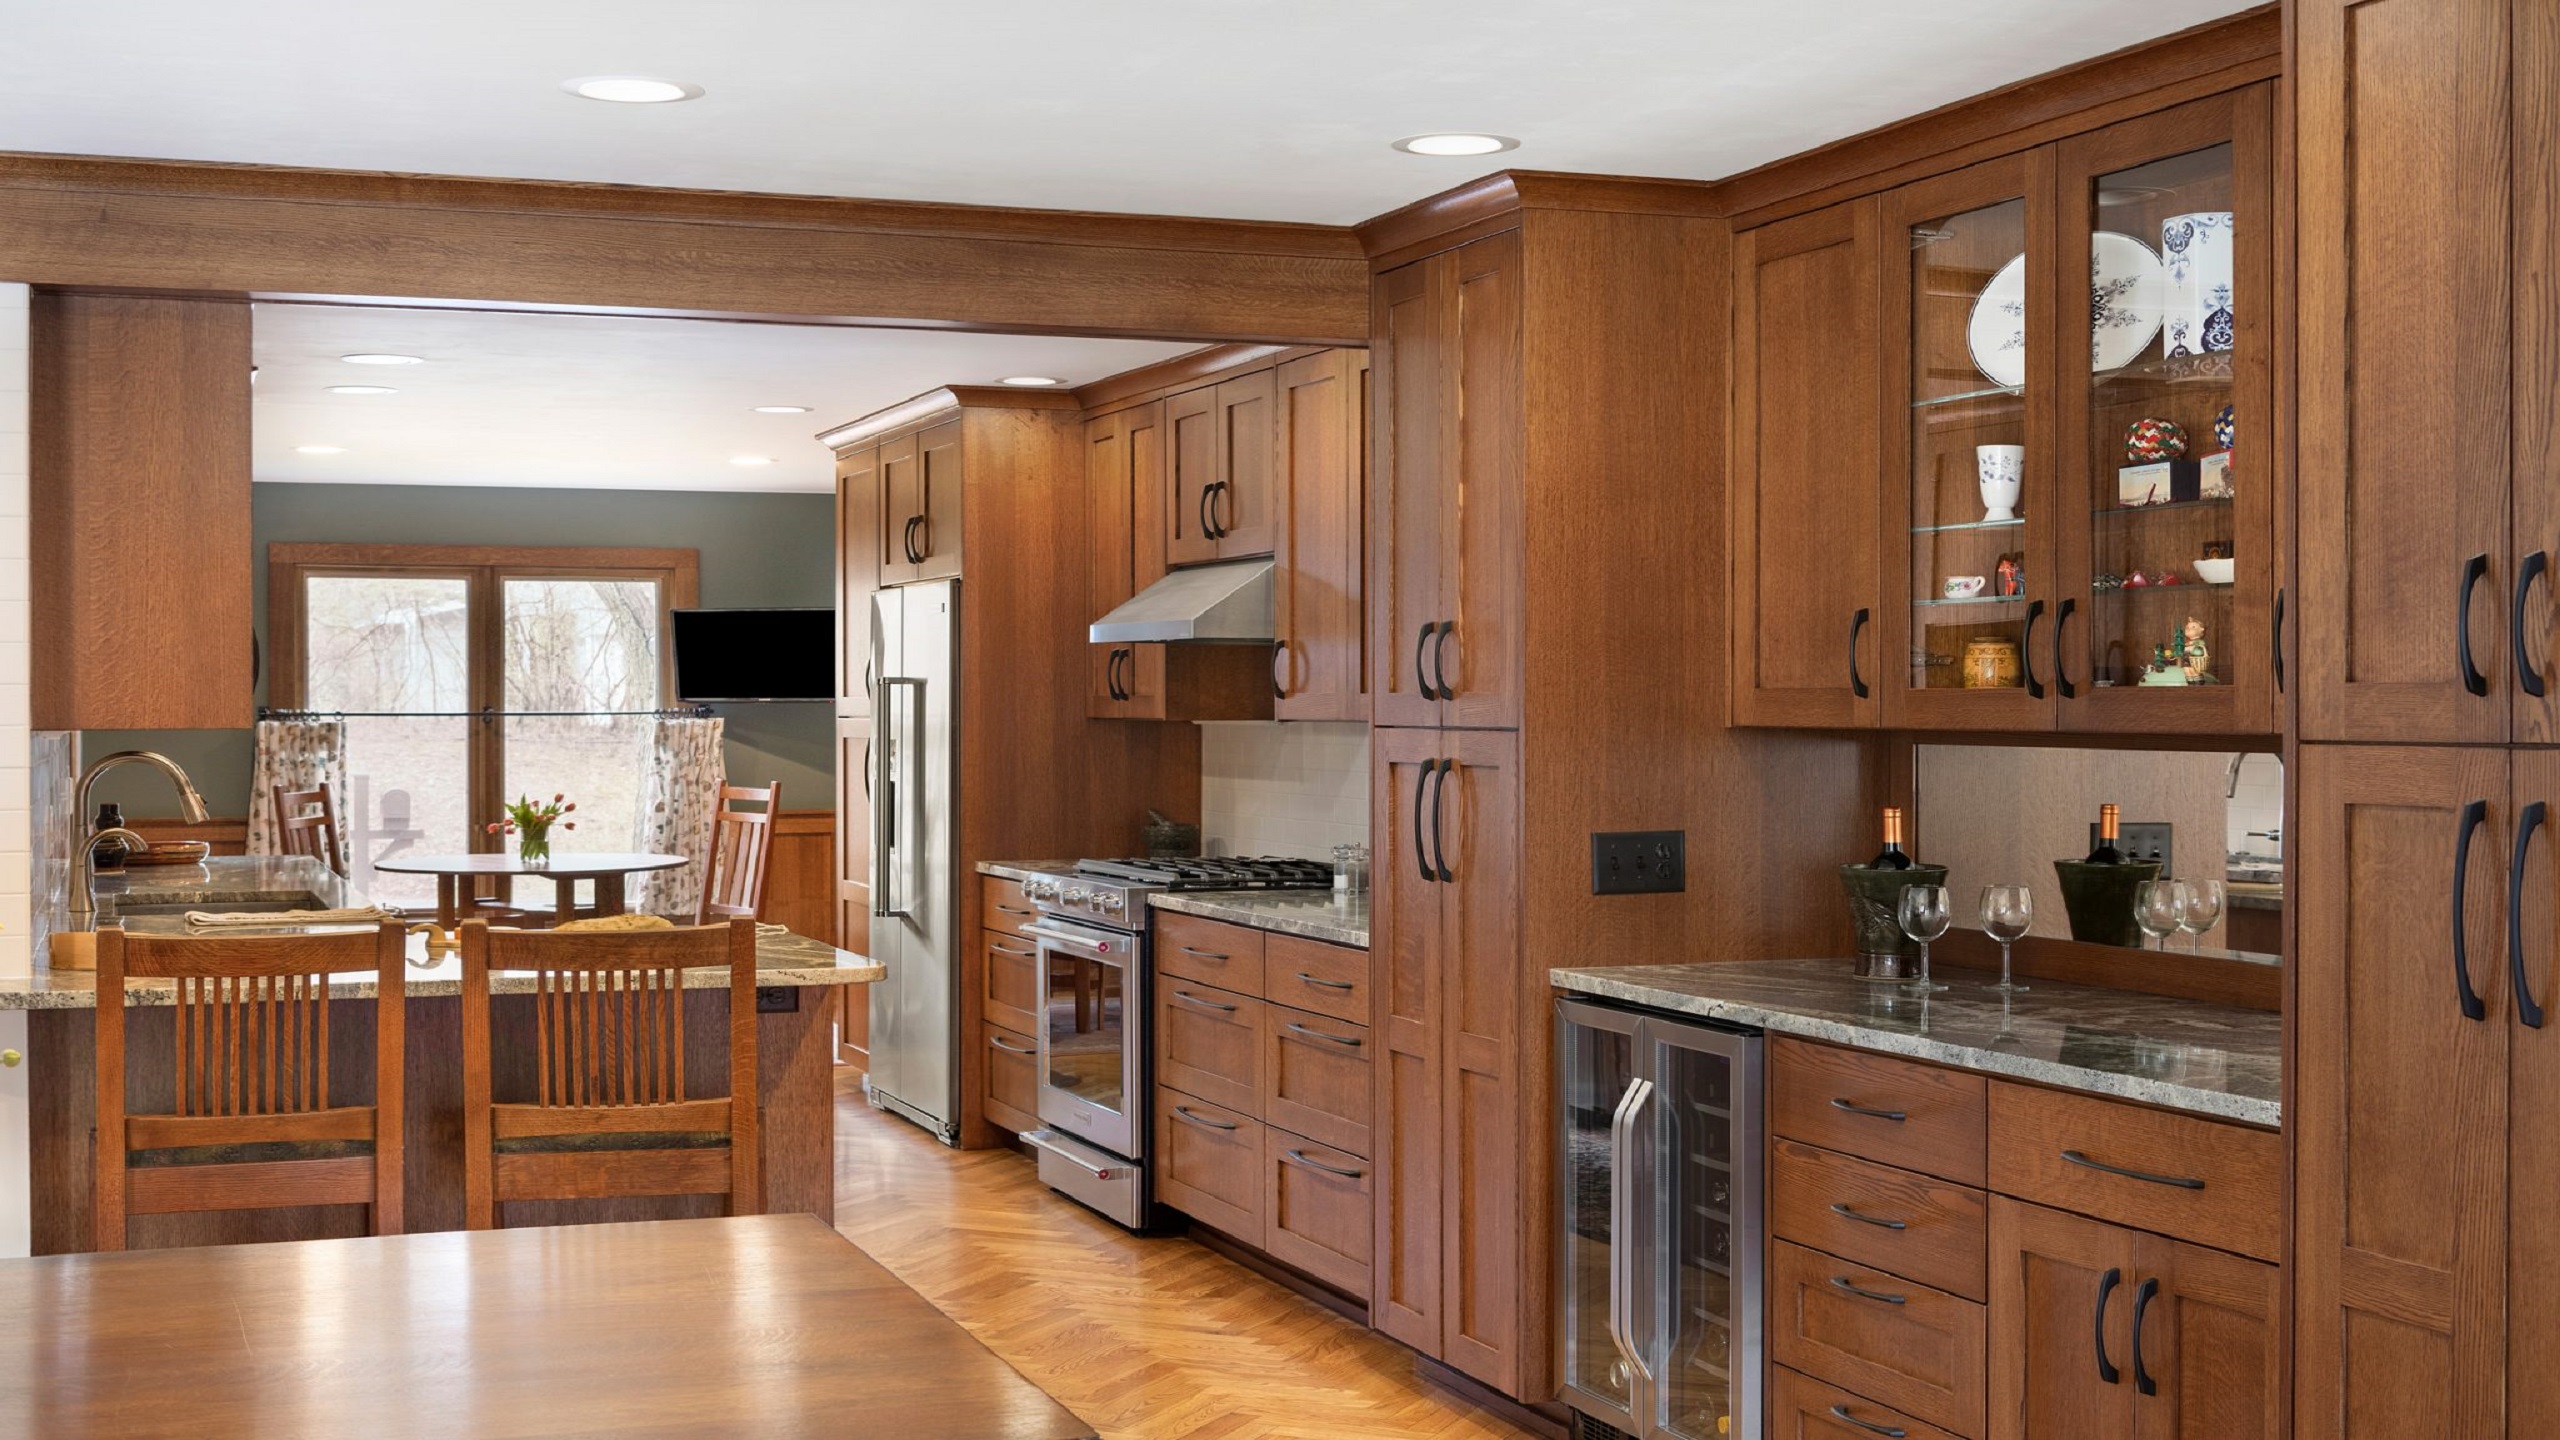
755 655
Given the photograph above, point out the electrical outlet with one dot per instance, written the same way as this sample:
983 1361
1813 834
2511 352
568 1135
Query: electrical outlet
1639 862
777 999
2141 840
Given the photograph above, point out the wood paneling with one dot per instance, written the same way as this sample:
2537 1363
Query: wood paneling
800 876
1319 538
2196 1179
1410 946
2533 1091
1899 1112
1895 1220
2533 38
138 567
1917 1349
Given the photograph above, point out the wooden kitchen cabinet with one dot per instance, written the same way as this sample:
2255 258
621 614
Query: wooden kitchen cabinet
1222 470
139 561
1804 492
1320 537
859 503
920 486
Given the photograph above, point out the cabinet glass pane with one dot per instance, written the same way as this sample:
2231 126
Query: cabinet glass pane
1597 1066
2161 422
1698 1187
1971 575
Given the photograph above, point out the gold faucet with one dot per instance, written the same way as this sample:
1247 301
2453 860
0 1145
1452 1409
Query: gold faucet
84 903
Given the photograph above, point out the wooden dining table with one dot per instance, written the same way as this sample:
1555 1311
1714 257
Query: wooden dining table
456 875
761 1325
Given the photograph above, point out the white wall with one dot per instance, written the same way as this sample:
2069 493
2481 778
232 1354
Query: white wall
17 823
1273 788
2257 804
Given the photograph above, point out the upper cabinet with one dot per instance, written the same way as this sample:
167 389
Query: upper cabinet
920 506
1223 471
859 505
2071 494
1320 664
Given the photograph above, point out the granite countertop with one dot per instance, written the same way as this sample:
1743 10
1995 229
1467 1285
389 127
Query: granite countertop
1025 869
1309 913
2190 1055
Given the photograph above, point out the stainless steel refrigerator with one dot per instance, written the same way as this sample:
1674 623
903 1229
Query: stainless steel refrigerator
915 882
1659 1290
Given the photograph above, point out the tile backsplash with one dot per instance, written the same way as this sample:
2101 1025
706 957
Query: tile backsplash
1275 788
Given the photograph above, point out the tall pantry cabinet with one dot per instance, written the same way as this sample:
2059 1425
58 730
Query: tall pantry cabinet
1548 400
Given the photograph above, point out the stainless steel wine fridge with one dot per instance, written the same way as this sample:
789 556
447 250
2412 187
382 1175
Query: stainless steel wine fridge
1659 1134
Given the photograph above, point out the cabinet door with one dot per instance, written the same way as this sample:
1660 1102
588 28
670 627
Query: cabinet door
1245 509
853 827
857 575
1407 945
2061 1325
2533 1088
1408 508
1191 454
1476 660
2403 359
2196 185
1967 326
901 510
938 538
2399 1111
2534 33
1804 496
1493 1290
1319 668
1110 551
2205 1340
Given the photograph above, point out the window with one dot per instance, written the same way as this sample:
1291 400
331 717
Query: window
469 675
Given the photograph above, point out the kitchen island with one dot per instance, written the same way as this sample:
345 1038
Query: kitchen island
794 1060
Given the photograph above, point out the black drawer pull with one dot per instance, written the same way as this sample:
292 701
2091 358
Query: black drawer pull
1841 1282
1328 984
1845 1213
1186 995
1320 1035
998 1042
1011 909
1204 954
2183 1182
1204 1122
1896 1116
1890 1432
1301 1157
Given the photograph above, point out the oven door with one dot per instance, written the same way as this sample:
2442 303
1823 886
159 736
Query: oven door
1091 1049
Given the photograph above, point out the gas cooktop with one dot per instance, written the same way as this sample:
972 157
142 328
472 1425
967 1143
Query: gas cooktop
1218 873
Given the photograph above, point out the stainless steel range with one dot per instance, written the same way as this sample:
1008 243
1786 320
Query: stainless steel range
1096 1069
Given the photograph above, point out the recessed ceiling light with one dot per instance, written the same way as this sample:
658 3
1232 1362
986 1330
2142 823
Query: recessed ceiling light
750 459
631 89
362 390
1455 144
373 358
782 409
1030 382
319 450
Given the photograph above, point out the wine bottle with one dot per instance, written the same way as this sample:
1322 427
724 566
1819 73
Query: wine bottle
1891 857
2105 851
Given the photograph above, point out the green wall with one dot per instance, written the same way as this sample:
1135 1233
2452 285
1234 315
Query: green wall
756 550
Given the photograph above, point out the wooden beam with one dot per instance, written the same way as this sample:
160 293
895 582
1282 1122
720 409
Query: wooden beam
277 232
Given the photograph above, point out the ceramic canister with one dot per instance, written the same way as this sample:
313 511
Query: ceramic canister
1990 663
2195 253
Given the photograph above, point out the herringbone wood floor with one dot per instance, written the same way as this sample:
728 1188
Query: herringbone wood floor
1146 1339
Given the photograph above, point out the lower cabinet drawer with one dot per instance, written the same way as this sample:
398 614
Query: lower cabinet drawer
1013 1078
1209 1043
1317 1070
1932 1231
1209 1164
1918 1349
1329 979
2174 1174
1013 982
1803 1408
1316 1211
1001 908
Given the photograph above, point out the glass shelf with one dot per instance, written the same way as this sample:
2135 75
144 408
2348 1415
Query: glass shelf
1983 600
2011 391
2207 586
2106 511
1968 525
2210 368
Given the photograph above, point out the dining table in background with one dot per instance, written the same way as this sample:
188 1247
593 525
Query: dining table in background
606 868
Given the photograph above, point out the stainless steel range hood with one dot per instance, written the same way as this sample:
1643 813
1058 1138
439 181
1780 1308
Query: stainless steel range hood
1225 604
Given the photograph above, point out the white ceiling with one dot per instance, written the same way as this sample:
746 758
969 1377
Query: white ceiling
606 402
1271 109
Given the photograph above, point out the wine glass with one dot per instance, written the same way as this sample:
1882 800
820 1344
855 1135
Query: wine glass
2007 911
2202 911
2158 906
1924 917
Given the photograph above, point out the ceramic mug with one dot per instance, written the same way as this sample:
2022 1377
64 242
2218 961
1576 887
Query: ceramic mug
2002 468
1962 587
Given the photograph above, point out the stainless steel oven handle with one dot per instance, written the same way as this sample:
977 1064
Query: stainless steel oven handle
1041 1142
1078 940
1622 1226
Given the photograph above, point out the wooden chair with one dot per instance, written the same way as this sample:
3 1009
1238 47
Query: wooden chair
741 848
252 1123
307 824
610 1115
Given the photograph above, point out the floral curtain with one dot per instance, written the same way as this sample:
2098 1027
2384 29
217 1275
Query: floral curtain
677 798
298 755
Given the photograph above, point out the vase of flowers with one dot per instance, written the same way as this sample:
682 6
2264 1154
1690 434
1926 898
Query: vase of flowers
530 821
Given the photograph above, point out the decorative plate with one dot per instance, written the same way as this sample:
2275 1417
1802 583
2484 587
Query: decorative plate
1997 333
2128 291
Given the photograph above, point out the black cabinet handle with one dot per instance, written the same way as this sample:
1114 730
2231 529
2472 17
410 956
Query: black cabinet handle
1440 659
2474 815
907 540
1439 802
1219 510
2142 1294
1845 1213
1301 1157
1429 690
1120 659
1327 984
1204 1122
2182 1182
2528 1009
1219 1006
1896 1116
2061 664
1422 852
1841 1282
2472 571
2526 675
1857 682
1890 1432
1346 1042
1208 528
2107 1284
1279 669
1111 673
1204 954
2275 639
2026 646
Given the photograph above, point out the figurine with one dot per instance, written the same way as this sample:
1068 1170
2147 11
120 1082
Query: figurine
2012 576
2193 657
2222 427
2150 440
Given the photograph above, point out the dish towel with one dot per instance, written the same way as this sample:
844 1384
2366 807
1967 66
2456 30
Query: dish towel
269 919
